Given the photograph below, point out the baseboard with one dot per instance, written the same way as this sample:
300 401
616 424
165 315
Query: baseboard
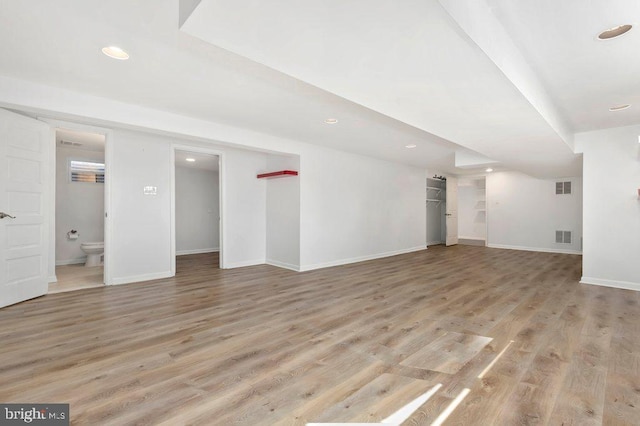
196 251
139 278
543 250
434 243
627 285
360 258
471 241
231 265
283 265
71 261
52 279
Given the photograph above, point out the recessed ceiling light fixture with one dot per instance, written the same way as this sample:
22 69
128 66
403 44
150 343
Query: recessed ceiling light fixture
115 52
489 170
619 107
410 146
331 120
191 160
614 32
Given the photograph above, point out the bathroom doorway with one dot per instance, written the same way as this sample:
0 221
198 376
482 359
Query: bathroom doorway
197 209
79 210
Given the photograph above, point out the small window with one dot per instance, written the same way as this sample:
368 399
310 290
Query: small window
86 171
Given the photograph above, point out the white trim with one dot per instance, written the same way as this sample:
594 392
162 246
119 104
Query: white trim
52 279
434 243
284 265
538 249
627 285
75 261
139 278
244 263
196 251
361 258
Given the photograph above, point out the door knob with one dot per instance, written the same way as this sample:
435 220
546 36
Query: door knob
3 215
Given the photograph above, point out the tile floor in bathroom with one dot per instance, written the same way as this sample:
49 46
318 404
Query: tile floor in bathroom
75 277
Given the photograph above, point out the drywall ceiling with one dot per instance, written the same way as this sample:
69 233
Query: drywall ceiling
584 75
393 73
409 60
202 161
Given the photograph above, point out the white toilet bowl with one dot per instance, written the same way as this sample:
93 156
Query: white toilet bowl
94 253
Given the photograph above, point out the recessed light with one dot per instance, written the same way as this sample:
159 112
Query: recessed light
115 52
410 146
191 160
489 170
619 107
614 32
331 120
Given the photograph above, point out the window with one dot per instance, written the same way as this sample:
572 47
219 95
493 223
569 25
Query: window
86 171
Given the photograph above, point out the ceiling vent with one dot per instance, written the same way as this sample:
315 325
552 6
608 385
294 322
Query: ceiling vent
67 143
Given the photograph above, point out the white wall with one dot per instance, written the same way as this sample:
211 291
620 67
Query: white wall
524 212
355 208
141 223
351 207
197 210
611 170
244 208
79 206
472 217
283 213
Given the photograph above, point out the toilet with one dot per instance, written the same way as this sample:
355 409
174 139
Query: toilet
94 253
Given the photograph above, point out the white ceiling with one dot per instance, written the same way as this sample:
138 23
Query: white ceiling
203 161
393 73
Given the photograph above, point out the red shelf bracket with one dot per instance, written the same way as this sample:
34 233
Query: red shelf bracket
281 173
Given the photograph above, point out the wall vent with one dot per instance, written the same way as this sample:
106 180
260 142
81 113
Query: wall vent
563 187
563 237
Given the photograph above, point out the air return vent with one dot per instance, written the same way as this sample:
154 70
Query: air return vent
563 187
563 237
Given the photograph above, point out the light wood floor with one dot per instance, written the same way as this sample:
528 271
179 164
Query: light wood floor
262 345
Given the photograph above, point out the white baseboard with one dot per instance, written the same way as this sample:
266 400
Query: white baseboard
52 279
360 259
434 243
544 250
231 265
627 285
71 261
196 251
283 265
139 278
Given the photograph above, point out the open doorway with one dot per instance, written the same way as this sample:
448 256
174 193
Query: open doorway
197 209
79 210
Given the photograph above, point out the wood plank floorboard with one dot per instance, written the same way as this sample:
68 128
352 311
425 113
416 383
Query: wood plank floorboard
263 345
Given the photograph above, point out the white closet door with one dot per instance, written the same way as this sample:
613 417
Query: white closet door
452 211
23 238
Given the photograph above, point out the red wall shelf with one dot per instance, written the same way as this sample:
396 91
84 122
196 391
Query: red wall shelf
280 173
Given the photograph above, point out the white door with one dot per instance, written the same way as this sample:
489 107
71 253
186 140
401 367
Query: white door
452 211
24 162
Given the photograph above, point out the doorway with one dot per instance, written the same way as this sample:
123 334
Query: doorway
79 210
197 208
